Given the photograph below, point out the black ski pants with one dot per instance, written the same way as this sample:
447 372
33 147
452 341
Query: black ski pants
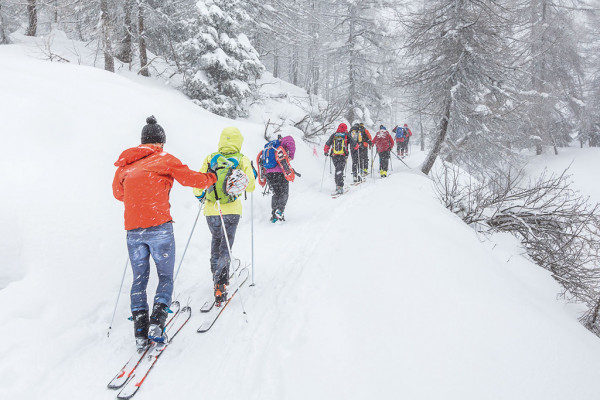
363 155
355 162
384 160
339 162
219 253
404 147
281 190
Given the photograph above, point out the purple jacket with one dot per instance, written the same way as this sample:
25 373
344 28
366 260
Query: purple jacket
288 143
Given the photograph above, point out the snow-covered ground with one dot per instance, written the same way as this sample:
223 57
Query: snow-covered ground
381 293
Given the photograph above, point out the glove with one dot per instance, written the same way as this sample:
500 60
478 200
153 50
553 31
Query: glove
211 171
356 147
326 154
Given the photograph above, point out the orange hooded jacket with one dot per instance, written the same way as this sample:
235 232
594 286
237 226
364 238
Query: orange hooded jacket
144 180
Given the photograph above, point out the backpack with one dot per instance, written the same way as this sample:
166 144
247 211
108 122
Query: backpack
269 154
223 167
400 132
355 135
339 144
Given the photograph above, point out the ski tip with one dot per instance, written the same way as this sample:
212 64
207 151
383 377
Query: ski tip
186 309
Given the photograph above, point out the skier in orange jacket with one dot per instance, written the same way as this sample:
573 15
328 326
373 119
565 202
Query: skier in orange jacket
143 180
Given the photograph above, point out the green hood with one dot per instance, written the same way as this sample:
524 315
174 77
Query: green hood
231 141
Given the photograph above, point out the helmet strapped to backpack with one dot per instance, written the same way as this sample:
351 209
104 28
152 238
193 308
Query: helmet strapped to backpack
236 183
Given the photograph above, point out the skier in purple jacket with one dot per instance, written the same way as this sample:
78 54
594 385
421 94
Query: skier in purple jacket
277 181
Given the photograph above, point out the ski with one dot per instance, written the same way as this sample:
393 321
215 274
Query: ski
214 314
335 195
209 304
154 351
125 373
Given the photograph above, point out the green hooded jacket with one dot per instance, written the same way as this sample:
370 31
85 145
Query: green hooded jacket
230 143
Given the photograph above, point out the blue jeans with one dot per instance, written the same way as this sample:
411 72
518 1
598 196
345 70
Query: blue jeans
219 255
158 242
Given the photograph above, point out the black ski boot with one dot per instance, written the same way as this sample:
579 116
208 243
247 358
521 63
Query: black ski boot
156 331
220 294
140 328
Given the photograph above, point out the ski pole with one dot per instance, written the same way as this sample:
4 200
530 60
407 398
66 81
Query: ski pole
188 242
398 157
323 175
118 296
252 232
231 257
391 164
372 161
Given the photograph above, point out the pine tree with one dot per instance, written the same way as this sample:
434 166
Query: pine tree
456 58
220 65
360 30
552 74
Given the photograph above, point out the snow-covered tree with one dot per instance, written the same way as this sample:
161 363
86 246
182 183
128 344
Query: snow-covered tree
456 67
359 52
219 63
553 71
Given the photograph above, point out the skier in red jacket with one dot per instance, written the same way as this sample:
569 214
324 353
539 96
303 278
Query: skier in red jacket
384 143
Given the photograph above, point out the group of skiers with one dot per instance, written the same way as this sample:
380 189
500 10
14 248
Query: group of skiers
357 143
143 181
145 176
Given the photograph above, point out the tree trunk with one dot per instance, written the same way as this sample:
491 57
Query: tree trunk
422 135
142 40
32 14
126 52
276 62
3 35
109 62
351 67
437 146
313 52
55 12
295 65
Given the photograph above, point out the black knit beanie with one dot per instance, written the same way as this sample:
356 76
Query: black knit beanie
153 132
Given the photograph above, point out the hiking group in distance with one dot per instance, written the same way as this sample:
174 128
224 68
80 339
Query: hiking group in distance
145 176
357 142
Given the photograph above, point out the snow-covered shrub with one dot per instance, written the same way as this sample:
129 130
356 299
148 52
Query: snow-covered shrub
558 228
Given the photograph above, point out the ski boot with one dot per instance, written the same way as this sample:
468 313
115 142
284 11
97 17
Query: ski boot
220 294
156 331
140 328
365 172
339 189
279 215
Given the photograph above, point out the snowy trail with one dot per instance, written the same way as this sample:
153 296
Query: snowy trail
380 293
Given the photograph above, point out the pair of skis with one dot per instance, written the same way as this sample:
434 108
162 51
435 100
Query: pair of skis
130 378
335 195
133 374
